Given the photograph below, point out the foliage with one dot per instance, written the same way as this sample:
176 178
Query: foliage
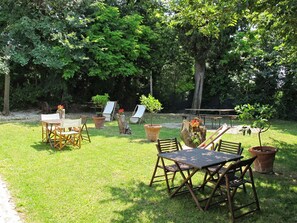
63 51
100 101
152 104
258 115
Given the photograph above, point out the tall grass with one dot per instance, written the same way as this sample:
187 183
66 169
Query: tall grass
107 180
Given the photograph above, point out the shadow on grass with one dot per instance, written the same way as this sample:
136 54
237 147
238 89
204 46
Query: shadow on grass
147 204
42 146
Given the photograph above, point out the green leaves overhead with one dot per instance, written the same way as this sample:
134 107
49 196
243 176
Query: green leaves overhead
115 43
207 17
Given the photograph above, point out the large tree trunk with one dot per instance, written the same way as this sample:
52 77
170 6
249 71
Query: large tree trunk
6 94
199 79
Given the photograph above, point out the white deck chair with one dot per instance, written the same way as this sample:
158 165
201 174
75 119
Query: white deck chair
109 110
46 128
212 140
68 133
137 114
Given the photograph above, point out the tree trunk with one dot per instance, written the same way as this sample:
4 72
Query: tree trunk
199 79
6 94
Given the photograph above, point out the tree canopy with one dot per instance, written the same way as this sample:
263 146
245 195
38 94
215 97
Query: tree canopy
197 53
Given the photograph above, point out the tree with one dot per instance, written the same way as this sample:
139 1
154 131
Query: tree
200 24
4 69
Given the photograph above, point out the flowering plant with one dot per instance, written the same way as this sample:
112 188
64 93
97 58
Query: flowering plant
121 111
195 122
60 107
193 132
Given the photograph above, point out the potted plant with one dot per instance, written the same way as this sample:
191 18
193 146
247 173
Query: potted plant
153 105
99 102
258 115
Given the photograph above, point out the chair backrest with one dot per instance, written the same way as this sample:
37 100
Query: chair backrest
168 145
229 147
71 123
53 116
139 111
109 107
241 167
211 141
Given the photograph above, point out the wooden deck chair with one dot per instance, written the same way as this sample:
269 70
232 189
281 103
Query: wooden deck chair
211 141
47 130
225 147
109 110
68 133
137 115
236 175
167 169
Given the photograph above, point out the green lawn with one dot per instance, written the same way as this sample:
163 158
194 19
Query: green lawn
107 180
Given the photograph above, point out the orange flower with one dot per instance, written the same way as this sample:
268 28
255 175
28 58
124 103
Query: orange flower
121 111
195 122
60 107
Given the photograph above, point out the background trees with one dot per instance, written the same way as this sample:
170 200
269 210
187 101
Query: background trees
66 51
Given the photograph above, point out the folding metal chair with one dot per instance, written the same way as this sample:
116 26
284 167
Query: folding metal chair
229 182
167 146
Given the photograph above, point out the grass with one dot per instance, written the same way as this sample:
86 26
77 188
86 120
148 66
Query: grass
107 180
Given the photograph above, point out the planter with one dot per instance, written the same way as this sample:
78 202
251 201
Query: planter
265 158
99 121
152 132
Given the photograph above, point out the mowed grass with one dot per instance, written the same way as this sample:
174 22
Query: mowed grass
107 180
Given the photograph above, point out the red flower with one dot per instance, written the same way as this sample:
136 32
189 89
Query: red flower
121 111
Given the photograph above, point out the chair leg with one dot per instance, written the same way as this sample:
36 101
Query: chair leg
166 176
155 171
255 192
172 179
88 134
230 197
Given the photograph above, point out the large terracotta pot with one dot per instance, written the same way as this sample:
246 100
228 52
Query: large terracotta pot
152 132
99 121
265 158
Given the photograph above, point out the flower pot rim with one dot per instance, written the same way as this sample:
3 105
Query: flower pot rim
99 117
267 149
153 125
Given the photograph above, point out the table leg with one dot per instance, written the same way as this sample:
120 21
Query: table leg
188 185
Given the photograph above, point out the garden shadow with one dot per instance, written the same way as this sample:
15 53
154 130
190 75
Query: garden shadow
150 204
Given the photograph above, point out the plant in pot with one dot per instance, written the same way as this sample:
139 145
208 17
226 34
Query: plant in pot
258 115
99 102
153 105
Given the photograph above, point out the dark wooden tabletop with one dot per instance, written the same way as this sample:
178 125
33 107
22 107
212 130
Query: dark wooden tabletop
200 158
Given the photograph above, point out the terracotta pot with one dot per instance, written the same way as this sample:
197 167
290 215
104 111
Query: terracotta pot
99 121
265 158
152 132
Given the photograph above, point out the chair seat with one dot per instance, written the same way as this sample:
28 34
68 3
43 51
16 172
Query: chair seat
69 133
174 168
